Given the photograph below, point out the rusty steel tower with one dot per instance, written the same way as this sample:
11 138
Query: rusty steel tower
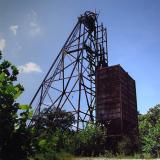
81 82
116 103
70 83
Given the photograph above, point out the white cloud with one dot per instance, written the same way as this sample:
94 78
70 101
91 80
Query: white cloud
2 44
13 29
30 67
33 13
34 27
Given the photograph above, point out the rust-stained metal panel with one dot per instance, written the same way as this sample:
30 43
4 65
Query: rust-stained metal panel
116 105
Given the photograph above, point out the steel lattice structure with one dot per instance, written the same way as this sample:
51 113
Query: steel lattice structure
70 81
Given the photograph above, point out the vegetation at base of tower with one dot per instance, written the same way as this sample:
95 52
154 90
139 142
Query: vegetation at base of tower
55 139
91 141
15 138
125 146
88 142
149 130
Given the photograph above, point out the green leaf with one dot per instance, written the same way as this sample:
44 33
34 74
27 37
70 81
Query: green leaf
2 76
42 142
11 89
14 70
6 64
30 114
18 92
24 107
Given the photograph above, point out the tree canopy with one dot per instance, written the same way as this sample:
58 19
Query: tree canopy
14 134
18 141
149 129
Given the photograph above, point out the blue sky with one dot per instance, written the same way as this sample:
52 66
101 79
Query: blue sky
33 31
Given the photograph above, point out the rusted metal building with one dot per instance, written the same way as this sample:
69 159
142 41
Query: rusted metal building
116 105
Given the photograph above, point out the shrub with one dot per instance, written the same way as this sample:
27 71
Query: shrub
125 146
90 141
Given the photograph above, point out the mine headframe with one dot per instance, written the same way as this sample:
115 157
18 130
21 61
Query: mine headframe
70 82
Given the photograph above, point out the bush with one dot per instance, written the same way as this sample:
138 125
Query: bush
108 154
149 128
90 141
125 146
87 142
53 145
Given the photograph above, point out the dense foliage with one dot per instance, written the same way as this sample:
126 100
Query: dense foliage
90 141
14 134
55 139
54 134
53 119
149 129
57 136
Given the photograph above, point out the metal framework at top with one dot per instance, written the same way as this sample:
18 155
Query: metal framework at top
70 83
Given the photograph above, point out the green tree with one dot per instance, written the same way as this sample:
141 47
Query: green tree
149 129
90 141
53 119
54 133
52 146
14 135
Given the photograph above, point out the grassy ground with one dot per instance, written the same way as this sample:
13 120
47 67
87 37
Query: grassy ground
107 159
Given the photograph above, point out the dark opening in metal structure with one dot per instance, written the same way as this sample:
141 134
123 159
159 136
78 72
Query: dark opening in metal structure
70 81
